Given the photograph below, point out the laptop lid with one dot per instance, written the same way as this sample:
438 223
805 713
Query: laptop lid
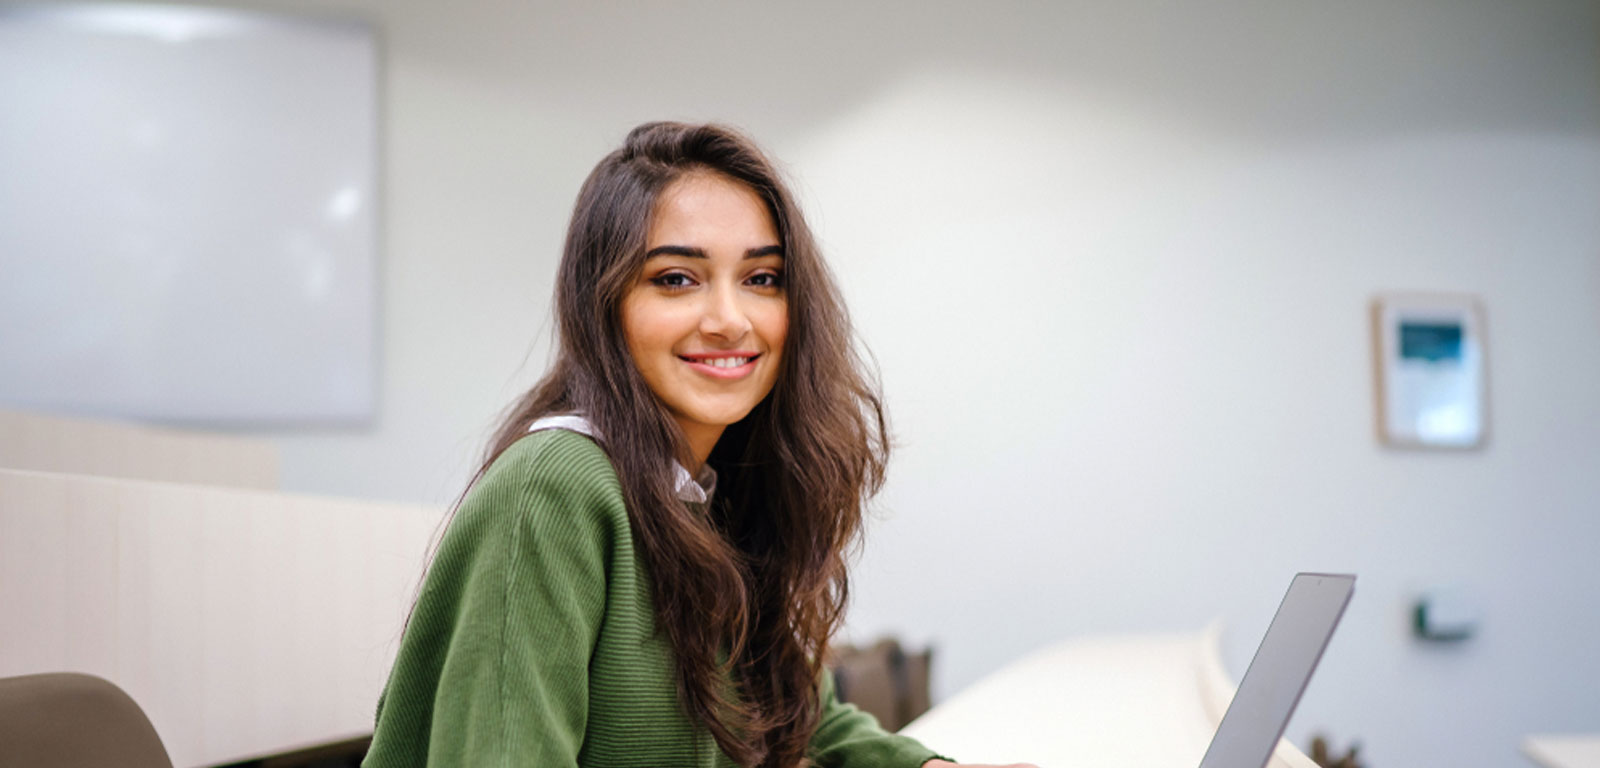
1282 667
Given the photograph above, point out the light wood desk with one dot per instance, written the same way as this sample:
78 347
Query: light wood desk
1570 751
1142 701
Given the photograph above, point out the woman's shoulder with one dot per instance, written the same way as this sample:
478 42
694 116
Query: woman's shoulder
549 470
559 451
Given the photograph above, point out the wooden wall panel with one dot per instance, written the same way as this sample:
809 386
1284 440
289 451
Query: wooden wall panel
50 443
243 622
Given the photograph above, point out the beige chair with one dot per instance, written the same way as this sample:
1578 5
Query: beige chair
68 720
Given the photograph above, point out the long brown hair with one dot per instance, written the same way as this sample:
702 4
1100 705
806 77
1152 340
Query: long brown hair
760 574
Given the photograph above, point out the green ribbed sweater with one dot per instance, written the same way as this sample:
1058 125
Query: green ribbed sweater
533 640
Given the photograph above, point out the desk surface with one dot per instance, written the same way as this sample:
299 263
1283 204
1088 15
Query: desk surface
1143 701
1570 751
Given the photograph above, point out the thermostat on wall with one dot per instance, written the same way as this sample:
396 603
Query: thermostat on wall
1446 614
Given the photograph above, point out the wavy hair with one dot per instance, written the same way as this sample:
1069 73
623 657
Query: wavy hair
761 574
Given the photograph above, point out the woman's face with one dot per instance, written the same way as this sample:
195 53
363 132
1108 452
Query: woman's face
706 318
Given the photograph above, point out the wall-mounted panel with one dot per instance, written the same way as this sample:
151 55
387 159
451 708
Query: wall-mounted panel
188 214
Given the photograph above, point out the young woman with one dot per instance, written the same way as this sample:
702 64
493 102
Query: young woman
649 565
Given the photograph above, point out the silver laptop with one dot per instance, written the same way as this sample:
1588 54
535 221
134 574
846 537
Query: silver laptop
1278 675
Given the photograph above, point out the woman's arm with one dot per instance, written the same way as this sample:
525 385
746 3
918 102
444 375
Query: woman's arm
493 668
847 737
936 763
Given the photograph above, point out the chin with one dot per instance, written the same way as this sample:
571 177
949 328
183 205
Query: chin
725 419
721 417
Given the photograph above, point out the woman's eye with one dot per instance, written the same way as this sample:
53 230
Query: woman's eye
767 280
672 280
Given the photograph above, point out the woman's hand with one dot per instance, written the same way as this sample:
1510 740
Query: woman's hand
948 764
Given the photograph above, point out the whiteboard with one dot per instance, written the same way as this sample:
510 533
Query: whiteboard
188 214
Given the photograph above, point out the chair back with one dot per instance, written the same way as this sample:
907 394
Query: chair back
70 720
884 680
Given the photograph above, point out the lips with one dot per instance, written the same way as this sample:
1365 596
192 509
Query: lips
722 365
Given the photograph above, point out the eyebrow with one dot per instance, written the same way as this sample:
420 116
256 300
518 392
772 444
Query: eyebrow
700 253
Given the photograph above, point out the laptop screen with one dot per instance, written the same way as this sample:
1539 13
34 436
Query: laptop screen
1278 675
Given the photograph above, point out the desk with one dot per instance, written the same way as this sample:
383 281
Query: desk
1142 701
1563 751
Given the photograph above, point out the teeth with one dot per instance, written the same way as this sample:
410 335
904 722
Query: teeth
726 362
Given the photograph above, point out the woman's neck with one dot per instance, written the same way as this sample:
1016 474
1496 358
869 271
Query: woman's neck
702 438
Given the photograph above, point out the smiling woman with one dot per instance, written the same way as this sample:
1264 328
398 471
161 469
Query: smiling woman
706 321
649 565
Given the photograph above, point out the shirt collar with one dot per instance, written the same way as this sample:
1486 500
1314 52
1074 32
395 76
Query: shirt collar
691 488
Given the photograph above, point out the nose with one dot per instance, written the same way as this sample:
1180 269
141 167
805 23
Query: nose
723 316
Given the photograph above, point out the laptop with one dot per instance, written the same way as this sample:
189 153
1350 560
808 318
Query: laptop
1278 674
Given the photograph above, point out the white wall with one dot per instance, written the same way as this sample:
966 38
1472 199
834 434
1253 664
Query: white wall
1114 259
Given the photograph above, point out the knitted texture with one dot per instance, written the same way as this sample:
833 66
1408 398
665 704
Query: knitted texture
533 641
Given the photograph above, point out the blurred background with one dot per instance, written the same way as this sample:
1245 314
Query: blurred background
1114 260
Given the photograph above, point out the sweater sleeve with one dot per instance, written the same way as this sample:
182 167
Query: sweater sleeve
847 737
493 667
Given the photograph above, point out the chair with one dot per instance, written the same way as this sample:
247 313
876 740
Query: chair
70 720
883 679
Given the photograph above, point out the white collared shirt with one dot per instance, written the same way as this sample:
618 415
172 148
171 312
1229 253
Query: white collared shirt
697 490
